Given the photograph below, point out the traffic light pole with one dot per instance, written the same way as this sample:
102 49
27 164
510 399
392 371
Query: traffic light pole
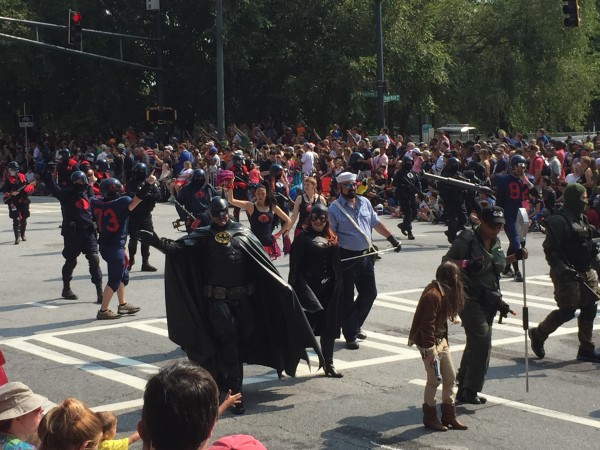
220 76
381 85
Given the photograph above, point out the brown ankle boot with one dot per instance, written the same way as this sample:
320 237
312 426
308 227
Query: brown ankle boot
449 417
430 419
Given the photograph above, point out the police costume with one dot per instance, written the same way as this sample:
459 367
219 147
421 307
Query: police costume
407 185
454 200
78 231
16 197
195 197
574 263
226 303
141 217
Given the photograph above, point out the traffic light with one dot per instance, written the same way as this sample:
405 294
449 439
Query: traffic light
571 9
74 30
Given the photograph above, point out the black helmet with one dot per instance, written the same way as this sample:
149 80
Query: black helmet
101 165
64 154
451 167
407 159
199 176
110 188
13 165
276 170
90 157
78 175
355 157
518 160
238 159
218 207
319 209
140 171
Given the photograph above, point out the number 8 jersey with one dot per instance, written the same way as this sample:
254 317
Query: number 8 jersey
511 192
112 217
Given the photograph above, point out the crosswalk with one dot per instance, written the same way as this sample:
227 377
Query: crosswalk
38 208
380 348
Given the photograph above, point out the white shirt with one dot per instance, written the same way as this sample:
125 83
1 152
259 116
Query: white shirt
308 162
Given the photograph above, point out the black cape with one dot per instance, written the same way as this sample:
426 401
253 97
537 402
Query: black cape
281 332
311 301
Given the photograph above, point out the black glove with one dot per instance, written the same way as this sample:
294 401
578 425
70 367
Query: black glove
519 254
395 243
151 238
504 308
474 265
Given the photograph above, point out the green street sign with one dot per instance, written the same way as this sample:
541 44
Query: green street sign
391 98
369 94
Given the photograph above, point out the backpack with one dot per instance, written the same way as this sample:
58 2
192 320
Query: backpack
545 167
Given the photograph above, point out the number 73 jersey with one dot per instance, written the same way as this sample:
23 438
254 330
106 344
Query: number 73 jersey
112 217
511 193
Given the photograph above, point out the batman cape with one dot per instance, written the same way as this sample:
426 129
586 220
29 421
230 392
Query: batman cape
280 332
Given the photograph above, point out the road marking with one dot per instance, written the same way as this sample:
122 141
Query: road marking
41 305
110 374
532 409
96 354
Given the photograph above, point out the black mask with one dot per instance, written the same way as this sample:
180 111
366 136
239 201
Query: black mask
79 188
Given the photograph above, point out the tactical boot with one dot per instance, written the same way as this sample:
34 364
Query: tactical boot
146 267
430 419
588 355
17 235
537 344
411 237
68 293
401 226
23 228
518 277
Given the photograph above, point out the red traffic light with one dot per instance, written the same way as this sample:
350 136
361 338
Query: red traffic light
76 17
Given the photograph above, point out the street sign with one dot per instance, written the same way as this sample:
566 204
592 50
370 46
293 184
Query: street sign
369 94
391 98
26 121
161 115
152 5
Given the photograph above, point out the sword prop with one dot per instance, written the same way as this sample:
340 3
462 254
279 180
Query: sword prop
378 252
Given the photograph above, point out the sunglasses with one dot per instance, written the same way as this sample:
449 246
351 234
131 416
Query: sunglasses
321 218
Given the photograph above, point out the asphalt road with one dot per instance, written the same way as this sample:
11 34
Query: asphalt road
58 348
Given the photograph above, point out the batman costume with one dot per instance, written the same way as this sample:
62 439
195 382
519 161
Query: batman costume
227 304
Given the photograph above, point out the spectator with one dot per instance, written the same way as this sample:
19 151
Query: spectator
70 426
20 414
182 179
109 431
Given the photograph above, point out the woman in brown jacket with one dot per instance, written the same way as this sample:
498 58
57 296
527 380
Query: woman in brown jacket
440 301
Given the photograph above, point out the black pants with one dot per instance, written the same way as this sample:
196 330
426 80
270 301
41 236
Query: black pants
408 205
456 214
77 242
135 225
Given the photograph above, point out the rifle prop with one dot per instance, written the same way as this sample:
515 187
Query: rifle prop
436 179
14 194
177 224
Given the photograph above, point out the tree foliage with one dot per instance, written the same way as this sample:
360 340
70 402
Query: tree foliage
494 63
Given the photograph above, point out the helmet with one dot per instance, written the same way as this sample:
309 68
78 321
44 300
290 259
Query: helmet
64 154
451 167
140 171
218 207
110 188
237 159
276 170
78 175
199 176
518 160
90 157
407 159
101 165
355 157
13 165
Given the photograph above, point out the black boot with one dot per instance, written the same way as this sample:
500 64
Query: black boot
99 293
146 267
23 228
68 293
327 348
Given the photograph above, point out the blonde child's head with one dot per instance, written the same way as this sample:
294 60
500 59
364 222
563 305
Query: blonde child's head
109 424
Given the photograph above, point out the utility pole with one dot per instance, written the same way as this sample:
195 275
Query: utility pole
381 83
160 74
220 78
